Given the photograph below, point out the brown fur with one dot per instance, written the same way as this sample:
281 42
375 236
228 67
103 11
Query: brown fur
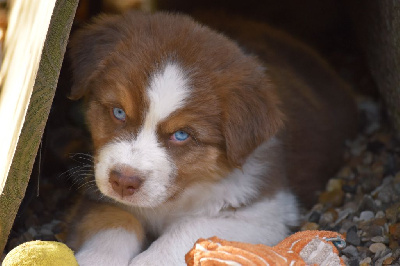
88 217
318 105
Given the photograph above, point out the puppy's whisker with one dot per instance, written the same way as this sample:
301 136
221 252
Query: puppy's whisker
88 187
79 173
87 183
82 158
68 171
83 154
85 160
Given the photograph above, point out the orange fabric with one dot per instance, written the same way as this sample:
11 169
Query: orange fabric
298 249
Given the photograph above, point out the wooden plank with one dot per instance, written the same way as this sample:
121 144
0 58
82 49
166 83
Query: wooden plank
35 45
18 71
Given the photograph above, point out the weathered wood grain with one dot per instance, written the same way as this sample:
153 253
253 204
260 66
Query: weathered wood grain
37 113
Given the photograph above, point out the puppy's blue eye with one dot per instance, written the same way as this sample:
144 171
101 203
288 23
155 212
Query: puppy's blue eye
180 136
119 113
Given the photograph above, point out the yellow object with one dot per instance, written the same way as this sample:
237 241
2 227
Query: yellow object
40 253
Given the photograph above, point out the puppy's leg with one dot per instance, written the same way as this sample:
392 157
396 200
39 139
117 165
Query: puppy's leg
171 247
104 234
262 223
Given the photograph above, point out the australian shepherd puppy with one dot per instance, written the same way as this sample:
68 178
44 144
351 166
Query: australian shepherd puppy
197 135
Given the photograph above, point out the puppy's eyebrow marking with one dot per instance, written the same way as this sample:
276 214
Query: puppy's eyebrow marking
167 92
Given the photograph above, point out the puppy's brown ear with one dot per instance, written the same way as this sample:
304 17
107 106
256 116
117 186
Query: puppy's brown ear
88 47
252 116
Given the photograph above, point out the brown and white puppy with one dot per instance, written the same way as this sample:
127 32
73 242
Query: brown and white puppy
194 137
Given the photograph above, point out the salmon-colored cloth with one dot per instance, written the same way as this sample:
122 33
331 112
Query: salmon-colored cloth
302 248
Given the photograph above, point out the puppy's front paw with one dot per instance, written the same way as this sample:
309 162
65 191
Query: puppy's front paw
110 247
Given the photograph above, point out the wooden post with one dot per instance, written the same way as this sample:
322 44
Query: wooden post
53 19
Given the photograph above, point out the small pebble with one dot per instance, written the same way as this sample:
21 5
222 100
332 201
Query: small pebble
380 214
352 262
372 230
328 217
334 185
346 224
377 247
350 251
393 244
392 212
368 203
309 226
351 206
342 215
332 198
346 172
318 207
388 261
379 221
352 236
366 215
394 231
385 194
380 239
314 217
366 261
378 203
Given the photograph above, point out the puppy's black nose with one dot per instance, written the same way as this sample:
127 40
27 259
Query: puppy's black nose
125 180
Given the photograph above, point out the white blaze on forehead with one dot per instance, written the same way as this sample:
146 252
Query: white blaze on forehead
167 92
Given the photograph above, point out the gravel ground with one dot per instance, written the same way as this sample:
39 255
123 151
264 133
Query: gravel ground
362 201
